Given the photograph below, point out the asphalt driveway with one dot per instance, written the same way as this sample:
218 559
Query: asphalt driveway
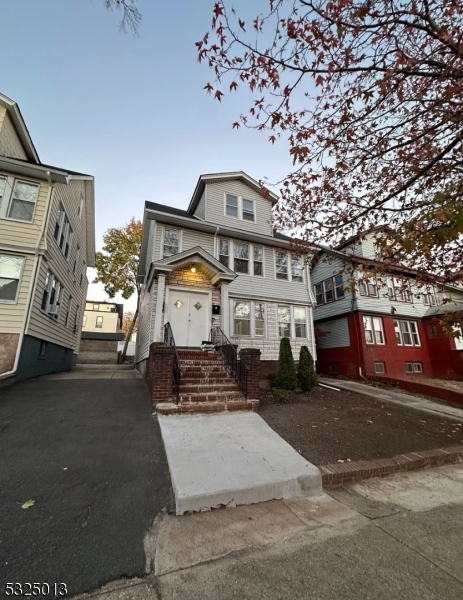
88 452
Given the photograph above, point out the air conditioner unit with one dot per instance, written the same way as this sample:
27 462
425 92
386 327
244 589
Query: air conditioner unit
53 310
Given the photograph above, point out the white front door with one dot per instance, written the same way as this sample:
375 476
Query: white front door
189 316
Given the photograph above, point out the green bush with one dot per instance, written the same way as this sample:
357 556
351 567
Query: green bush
306 376
286 376
284 396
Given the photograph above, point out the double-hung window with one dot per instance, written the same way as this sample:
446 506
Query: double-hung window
99 322
18 199
239 208
292 321
248 318
374 333
68 311
429 297
52 295
368 287
399 289
288 267
77 259
224 252
10 276
63 232
258 260
241 258
406 333
84 322
171 242
329 290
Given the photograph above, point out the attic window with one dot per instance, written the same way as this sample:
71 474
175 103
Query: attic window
248 210
240 208
232 206
171 242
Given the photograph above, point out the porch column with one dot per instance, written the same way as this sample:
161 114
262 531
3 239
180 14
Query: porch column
225 309
158 313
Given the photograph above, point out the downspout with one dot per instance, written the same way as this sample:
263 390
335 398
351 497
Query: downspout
356 332
33 284
314 304
216 254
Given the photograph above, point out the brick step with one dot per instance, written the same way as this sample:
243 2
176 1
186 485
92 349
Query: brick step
166 408
208 389
210 397
202 379
199 363
183 355
197 371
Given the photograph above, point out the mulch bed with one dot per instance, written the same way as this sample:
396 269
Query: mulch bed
326 426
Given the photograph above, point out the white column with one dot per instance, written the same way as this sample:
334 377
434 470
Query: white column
159 302
225 309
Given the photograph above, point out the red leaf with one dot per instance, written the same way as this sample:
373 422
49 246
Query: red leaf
241 24
235 125
320 80
233 85
209 88
218 94
218 10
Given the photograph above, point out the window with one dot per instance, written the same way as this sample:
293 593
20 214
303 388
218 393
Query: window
406 333
415 367
284 321
334 368
68 312
300 322
96 307
81 208
432 329
248 318
458 338
248 210
224 252
429 297
84 322
259 319
281 265
77 259
10 276
380 367
399 289
23 201
2 189
239 208
52 295
296 268
63 233
171 242
329 290
231 205
242 318
258 260
99 322
374 333
368 287
241 258
76 318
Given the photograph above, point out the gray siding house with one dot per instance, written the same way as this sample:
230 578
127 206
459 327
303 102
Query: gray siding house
219 264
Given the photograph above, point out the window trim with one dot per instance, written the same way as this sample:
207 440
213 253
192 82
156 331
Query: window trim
240 207
374 330
7 198
383 366
289 269
231 255
252 325
21 272
335 288
180 240
393 284
292 321
413 364
99 324
58 300
399 330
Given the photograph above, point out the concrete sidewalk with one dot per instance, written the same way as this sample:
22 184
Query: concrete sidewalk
228 459
96 372
416 402
394 539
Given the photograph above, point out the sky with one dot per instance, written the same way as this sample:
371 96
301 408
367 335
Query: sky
131 111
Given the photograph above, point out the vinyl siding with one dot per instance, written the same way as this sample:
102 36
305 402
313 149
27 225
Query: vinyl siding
215 207
336 334
144 335
324 269
12 315
10 144
368 247
42 325
201 208
21 233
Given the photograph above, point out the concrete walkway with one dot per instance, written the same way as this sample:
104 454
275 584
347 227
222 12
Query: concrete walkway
227 459
97 372
422 404
393 539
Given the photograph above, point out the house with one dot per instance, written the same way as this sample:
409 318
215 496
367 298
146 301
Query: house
47 241
381 325
219 265
102 317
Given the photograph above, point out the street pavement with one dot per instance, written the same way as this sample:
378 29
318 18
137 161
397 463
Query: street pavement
397 538
85 448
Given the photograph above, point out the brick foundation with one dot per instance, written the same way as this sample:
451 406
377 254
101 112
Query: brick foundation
161 369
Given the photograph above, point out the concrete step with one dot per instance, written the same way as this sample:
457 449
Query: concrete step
168 408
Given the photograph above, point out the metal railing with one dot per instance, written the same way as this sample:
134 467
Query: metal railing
239 370
169 341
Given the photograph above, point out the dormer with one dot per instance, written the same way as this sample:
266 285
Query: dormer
233 200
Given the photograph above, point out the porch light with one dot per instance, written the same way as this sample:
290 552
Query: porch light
193 269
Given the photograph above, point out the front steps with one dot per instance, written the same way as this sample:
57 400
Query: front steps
206 386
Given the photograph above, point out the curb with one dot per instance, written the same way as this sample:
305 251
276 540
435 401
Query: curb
340 473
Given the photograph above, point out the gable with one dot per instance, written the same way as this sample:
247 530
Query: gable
10 143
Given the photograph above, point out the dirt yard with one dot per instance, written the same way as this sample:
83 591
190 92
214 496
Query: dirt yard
326 426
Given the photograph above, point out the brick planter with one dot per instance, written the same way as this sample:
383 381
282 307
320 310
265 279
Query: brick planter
161 372
251 357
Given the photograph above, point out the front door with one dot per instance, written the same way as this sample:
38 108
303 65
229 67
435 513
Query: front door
189 317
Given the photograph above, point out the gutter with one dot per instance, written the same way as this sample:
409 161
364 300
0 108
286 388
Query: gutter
30 296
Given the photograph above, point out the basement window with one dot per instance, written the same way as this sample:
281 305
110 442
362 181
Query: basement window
415 367
380 368
334 368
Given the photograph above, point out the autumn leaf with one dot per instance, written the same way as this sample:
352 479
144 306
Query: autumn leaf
208 87
28 504
241 24
218 94
233 85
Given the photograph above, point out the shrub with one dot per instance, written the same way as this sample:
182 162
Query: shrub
284 396
286 377
306 376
